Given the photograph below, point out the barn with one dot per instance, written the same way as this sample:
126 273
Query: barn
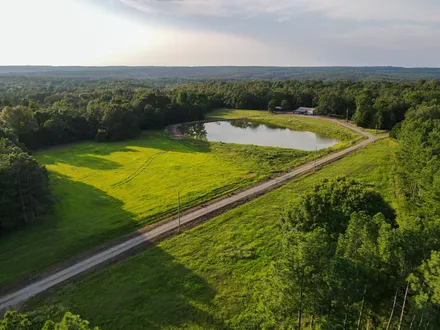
305 111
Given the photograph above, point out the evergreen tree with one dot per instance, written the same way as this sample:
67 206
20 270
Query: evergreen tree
24 186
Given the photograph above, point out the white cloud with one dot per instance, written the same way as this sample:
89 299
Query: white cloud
227 8
397 37
380 10
397 44
69 32
66 33
195 48
72 32
358 32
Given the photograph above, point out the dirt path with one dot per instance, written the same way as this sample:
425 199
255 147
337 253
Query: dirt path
187 221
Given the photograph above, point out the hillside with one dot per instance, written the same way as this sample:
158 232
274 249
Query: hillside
225 73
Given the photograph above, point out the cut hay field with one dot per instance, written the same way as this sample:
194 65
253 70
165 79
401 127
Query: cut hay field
104 190
210 277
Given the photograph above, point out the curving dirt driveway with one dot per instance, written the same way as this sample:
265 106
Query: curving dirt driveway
188 220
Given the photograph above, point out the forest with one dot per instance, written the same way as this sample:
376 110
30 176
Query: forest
348 261
175 74
43 112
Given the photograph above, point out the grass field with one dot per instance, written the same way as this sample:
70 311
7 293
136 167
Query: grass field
102 191
211 276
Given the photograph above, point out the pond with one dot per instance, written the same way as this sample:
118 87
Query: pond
248 132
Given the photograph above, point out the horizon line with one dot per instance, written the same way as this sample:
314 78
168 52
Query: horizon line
217 66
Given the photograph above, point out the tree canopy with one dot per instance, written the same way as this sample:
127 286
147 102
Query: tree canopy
344 261
16 321
24 186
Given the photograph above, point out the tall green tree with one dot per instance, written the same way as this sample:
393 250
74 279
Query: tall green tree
336 253
272 105
307 256
419 160
24 186
21 121
331 202
331 103
286 105
364 110
119 122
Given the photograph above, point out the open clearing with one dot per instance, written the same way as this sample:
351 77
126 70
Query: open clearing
103 191
211 276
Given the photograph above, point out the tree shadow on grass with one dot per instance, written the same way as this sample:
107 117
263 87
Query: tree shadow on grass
150 290
165 143
80 217
92 155
81 160
160 140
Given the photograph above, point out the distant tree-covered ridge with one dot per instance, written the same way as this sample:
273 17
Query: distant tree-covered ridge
226 72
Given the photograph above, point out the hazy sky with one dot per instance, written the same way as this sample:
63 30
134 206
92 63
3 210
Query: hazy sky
220 32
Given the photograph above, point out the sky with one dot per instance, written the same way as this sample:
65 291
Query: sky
221 32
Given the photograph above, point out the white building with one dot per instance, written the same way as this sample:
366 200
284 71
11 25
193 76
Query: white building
305 111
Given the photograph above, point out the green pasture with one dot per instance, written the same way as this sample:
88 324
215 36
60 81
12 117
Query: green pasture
104 190
210 277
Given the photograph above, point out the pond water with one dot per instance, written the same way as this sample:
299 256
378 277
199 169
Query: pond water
248 132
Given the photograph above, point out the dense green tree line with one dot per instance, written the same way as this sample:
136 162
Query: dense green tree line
346 264
369 104
419 187
45 112
108 116
419 160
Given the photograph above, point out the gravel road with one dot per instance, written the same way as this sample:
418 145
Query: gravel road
20 296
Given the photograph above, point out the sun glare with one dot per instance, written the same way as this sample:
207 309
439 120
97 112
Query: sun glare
54 32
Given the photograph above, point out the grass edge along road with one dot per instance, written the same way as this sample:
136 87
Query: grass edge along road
211 276
170 227
90 209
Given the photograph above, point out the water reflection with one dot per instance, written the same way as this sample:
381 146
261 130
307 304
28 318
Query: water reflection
196 131
244 124
249 132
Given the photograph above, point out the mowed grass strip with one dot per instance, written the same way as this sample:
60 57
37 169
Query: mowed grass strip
104 190
211 276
